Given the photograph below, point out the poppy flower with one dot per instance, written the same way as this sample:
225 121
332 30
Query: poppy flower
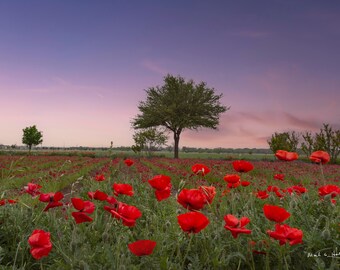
84 208
40 242
320 157
124 189
285 234
275 213
128 162
245 183
52 199
262 194
191 199
232 178
296 189
208 192
233 185
97 195
192 222
279 177
200 169
286 156
10 201
111 200
162 185
32 189
242 166
127 213
236 226
329 189
142 247
99 177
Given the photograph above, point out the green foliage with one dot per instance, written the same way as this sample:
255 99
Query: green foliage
149 139
326 140
31 137
179 105
284 141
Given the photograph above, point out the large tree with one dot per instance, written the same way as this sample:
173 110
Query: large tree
31 137
179 105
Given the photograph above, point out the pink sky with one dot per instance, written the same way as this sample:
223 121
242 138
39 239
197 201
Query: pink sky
79 77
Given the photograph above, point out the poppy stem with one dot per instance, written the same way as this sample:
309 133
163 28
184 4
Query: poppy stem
188 248
322 174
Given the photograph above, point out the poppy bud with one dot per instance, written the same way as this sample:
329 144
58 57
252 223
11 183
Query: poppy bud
326 234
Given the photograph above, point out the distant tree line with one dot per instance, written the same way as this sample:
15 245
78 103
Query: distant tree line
327 139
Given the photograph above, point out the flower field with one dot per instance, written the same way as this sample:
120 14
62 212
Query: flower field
77 212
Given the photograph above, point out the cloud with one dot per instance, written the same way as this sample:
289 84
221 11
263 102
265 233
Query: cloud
154 67
303 124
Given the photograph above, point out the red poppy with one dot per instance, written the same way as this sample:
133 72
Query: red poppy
32 189
192 222
285 234
111 200
236 226
233 185
320 156
286 156
191 199
160 182
242 166
124 189
40 242
245 183
262 194
275 213
142 247
2 202
84 208
99 177
52 199
10 201
329 189
97 195
279 177
208 192
296 189
128 162
127 213
232 178
200 169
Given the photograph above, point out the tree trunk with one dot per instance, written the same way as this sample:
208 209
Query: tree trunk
176 139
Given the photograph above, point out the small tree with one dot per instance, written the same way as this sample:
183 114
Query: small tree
149 139
284 141
307 146
31 137
179 105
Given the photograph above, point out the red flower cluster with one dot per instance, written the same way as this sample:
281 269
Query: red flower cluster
332 190
192 222
236 226
200 169
162 185
40 242
286 156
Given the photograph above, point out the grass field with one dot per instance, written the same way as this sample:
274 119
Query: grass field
103 242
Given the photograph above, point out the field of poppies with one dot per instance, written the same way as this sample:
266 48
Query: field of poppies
62 212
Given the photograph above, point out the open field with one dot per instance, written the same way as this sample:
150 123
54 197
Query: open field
103 242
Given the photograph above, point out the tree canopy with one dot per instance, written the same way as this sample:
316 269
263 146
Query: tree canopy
179 105
31 136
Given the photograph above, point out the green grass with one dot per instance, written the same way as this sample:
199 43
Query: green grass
102 244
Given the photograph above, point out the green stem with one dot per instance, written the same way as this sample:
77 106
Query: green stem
322 174
16 255
187 251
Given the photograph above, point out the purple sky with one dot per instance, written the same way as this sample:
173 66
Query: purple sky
78 69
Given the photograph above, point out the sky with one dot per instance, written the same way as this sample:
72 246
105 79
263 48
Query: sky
78 69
